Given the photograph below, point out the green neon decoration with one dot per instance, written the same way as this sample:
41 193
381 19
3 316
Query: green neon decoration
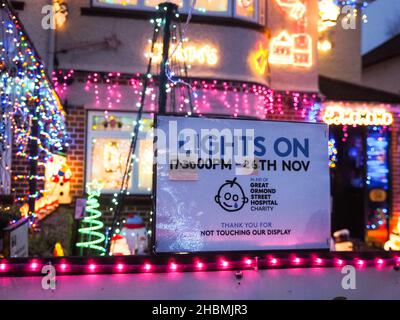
91 238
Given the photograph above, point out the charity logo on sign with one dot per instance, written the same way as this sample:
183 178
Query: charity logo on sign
231 196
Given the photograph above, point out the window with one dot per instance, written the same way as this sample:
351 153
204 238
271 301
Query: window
109 140
127 3
246 9
154 3
251 10
212 6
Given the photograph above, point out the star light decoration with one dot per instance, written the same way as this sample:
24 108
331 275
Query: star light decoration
259 59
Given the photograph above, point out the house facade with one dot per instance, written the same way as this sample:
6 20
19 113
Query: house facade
246 59
381 66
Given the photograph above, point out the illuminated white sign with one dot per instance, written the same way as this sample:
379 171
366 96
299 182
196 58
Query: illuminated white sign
337 115
204 54
238 198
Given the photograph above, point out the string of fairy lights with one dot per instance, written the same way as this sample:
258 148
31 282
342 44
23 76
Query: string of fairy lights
233 98
117 200
27 97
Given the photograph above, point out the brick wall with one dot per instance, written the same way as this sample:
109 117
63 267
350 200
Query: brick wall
20 166
289 115
76 122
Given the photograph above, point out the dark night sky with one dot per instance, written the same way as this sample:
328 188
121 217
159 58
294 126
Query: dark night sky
379 13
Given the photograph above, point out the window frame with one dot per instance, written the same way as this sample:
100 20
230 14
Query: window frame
226 14
139 7
91 134
230 13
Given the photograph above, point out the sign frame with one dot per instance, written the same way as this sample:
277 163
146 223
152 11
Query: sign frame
230 252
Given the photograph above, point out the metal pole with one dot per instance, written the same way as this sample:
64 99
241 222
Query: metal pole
168 10
33 151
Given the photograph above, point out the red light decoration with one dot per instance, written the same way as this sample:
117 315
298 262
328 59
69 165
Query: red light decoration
360 263
248 262
67 266
380 262
224 264
339 262
34 266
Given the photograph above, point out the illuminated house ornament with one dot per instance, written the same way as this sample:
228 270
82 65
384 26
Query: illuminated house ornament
259 59
281 49
302 50
91 237
192 54
296 50
119 246
393 244
44 206
295 8
329 13
337 115
58 250
61 12
57 180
